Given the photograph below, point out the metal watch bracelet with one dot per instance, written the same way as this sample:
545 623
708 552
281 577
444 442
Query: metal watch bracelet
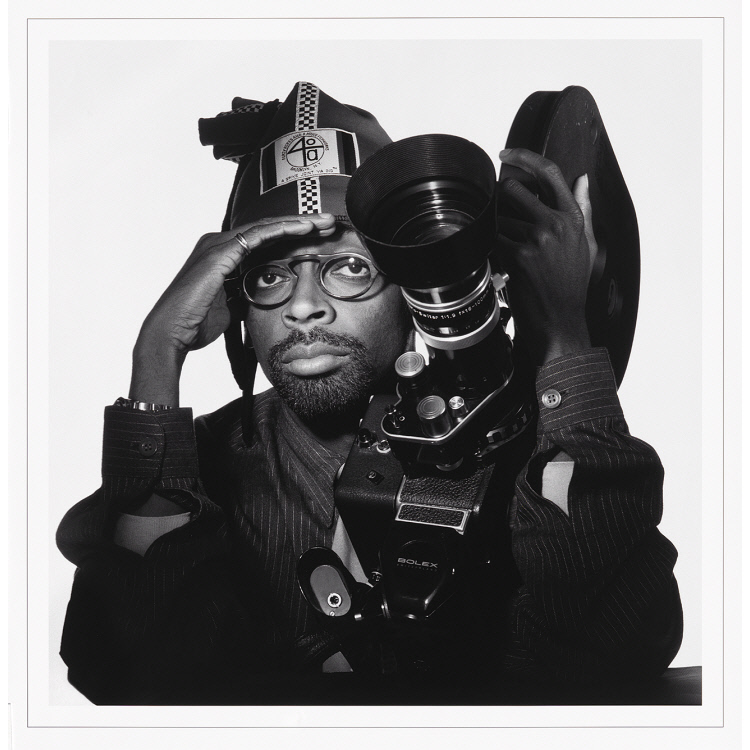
129 403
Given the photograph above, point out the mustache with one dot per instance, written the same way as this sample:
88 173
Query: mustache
315 335
329 395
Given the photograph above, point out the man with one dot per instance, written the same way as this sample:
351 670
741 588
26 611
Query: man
185 590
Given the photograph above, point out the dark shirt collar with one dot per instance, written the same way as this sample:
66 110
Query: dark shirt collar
316 464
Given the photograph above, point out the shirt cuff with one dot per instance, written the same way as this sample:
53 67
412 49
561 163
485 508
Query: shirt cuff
149 444
576 388
138 533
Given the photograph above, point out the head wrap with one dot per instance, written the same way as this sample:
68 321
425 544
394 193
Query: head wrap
294 157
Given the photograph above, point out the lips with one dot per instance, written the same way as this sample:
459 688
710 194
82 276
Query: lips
318 358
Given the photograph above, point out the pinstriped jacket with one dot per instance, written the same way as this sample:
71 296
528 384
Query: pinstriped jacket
216 601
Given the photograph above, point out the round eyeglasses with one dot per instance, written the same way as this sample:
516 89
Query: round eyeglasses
342 276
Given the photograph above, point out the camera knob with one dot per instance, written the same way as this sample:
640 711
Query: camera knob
410 365
458 408
365 438
433 416
413 377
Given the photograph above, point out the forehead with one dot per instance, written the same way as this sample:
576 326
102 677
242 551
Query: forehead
344 241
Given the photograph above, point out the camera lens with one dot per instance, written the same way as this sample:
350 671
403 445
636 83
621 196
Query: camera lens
425 208
428 211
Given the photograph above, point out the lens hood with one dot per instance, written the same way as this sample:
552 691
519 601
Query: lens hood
424 207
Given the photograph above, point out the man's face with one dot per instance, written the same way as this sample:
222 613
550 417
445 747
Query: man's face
325 355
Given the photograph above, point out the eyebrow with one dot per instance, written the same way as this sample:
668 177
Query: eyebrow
344 226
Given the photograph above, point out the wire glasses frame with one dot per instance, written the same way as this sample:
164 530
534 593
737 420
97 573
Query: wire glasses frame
341 276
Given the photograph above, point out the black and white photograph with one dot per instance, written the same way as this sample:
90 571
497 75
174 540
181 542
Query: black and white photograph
376 373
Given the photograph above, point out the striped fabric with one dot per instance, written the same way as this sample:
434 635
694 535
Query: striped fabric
598 592
216 601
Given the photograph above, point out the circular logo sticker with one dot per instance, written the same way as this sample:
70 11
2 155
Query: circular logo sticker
305 150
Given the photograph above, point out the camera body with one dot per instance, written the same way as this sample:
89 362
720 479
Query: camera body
412 491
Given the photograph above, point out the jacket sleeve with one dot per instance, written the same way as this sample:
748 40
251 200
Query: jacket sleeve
162 627
598 599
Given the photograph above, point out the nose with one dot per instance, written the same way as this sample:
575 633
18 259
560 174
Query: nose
309 305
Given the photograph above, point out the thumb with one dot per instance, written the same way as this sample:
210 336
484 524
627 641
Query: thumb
581 195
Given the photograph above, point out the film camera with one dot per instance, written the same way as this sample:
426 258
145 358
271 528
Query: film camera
425 490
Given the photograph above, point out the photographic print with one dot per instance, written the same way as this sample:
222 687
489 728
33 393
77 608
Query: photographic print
508 233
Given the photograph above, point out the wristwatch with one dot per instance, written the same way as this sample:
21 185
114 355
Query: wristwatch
129 403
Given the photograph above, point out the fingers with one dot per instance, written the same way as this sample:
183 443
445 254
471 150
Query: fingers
267 230
227 252
515 229
324 224
546 173
581 196
509 249
523 202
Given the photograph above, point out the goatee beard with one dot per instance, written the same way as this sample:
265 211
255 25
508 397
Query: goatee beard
329 395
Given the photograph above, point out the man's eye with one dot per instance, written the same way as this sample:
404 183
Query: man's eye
352 268
270 277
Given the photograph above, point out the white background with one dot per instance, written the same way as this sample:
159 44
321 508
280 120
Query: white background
121 189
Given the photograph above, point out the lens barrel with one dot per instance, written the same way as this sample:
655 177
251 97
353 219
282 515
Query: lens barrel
456 316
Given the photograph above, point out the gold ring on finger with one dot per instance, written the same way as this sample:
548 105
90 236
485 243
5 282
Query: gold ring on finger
240 238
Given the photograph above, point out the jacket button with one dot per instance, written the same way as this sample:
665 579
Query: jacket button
551 399
147 447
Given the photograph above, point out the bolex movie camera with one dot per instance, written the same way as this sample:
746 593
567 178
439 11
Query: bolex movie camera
424 493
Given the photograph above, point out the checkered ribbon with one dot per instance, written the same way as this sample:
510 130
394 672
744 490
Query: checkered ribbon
254 107
308 190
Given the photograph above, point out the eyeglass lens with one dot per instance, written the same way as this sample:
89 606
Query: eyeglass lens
342 276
